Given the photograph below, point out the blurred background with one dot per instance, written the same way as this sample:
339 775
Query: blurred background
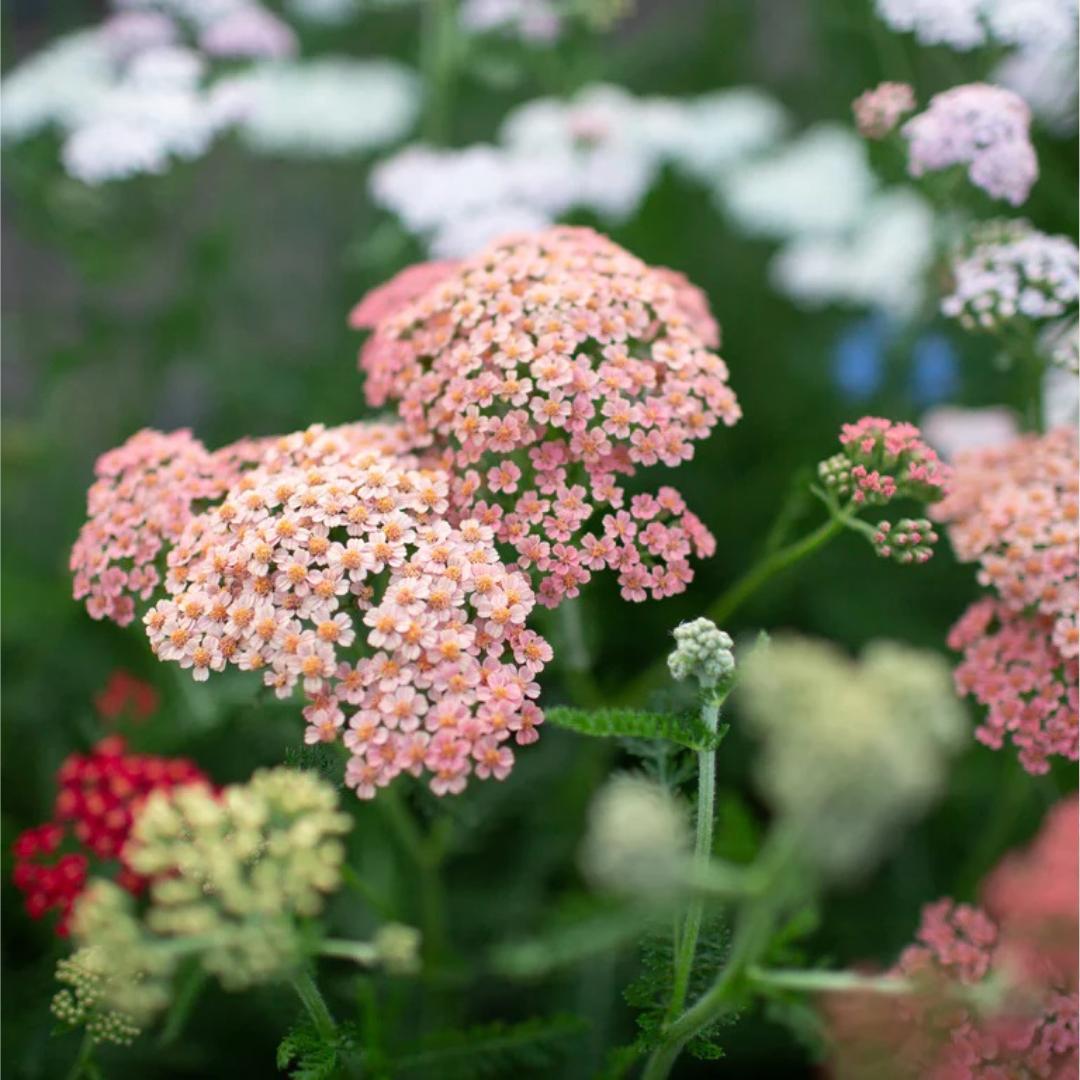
214 296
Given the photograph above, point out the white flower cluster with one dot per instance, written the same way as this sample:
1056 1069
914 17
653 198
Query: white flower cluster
327 107
145 89
1043 34
636 840
953 429
1015 272
703 652
845 241
599 152
530 20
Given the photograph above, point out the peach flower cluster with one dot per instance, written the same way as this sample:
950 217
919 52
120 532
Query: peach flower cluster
878 111
538 373
329 567
882 461
1013 510
1018 957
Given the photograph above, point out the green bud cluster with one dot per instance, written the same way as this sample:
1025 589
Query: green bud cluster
703 652
88 978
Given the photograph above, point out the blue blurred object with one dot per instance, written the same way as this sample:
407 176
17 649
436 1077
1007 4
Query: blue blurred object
859 357
935 373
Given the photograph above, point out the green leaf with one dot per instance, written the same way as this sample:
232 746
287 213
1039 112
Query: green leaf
306 1055
492 1050
685 730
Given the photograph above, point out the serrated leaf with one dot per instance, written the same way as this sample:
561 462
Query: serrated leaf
491 1050
306 1055
686 730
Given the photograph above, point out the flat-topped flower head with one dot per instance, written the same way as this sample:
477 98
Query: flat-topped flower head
985 128
83 1002
993 990
878 111
99 795
542 370
1012 274
329 568
1013 509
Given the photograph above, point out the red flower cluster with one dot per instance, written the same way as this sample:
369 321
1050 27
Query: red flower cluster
99 795
125 695
1020 951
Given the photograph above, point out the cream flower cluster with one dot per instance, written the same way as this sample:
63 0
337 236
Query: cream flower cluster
231 872
1013 273
702 651
851 750
538 372
87 977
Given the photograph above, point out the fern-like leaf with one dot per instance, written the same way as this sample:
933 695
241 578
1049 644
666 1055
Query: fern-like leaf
686 730
306 1055
534 1046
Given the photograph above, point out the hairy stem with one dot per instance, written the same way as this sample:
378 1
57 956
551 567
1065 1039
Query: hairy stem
827 982
686 945
313 1001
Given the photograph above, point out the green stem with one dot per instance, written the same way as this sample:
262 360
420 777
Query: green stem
574 654
313 1001
827 982
359 952
355 882
86 1052
191 986
439 49
706 812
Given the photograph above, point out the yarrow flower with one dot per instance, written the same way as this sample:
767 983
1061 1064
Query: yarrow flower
882 461
126 696
329 567
538 373
231 873
1013 273
86 978
989 997
99 795
1013 509
983 127
878 111
850 751
702 651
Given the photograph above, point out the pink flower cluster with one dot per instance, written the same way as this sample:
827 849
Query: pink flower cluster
881 461
878 111
140 504
537 373
329 566
1013 509
986 128
1023 945
1010 665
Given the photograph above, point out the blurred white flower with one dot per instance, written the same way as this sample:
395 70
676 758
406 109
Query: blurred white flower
531 20
130 32
330 106
955 23
952 429
250 31
59 85
882 262
820 182
1045 76
466 235
1061 398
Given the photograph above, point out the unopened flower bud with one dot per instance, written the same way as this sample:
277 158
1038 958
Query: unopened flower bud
398 948
703 652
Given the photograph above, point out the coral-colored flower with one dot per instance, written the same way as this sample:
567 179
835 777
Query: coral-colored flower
1018 957
878 111
99 795
328 567
561 351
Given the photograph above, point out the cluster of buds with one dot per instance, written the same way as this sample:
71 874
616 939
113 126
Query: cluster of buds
882 461
231 874
909 540
87 976
99 795
702 652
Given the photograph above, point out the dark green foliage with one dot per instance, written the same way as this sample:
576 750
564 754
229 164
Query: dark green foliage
650 992
686 730
306 1055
